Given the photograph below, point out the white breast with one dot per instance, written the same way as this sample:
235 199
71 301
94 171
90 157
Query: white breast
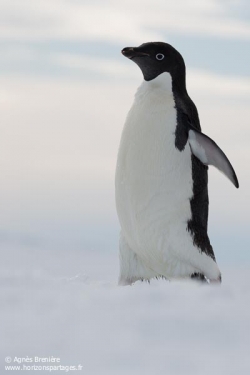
153 178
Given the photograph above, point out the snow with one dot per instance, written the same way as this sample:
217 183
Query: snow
66 303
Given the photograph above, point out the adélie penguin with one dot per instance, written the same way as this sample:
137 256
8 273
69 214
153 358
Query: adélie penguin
161 176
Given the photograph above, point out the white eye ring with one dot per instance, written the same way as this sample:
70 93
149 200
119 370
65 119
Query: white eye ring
159 56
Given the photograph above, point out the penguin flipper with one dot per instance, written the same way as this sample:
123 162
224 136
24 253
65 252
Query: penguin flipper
209 153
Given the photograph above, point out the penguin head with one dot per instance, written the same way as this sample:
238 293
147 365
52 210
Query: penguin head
156 58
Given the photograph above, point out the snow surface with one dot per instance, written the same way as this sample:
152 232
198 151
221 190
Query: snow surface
67 304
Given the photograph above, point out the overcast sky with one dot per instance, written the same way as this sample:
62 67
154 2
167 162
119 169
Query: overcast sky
64 94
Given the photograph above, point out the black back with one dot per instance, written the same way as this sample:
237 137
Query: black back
197 225
187 115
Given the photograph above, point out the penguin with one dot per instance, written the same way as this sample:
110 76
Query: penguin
161 180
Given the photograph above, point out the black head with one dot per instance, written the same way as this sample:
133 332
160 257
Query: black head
156 58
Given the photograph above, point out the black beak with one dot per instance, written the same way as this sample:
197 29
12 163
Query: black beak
131 52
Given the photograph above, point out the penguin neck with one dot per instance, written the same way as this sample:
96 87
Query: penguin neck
175 84
162 82
179 82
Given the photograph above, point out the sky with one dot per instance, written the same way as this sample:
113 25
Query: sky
65 90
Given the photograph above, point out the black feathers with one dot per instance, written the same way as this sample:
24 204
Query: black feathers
197 226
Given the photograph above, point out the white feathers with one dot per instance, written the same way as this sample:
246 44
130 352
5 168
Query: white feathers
154 187
197 148
131 267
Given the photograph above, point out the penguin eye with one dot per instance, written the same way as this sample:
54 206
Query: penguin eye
159 56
